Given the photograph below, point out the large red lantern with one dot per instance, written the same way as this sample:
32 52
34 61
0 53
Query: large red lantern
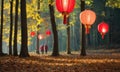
32 34
65 7
48 32
103 28
87 17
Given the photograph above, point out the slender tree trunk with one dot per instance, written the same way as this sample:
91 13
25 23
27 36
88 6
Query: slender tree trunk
37 50
83 41
73 37
11 27
24 36
54 29
68 38
15 29
1 28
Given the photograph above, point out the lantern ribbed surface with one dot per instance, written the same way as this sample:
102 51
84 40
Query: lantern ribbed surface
65 7
87 17
103 28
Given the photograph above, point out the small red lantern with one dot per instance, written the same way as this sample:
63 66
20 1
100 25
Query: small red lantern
103 28
87 17
65 7
40 36
48 32
32 34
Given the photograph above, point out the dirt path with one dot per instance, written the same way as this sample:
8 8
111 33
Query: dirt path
62 63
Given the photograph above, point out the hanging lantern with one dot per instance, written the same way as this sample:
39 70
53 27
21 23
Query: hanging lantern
40 36
48 32
103 28
65 7
87 17
32 34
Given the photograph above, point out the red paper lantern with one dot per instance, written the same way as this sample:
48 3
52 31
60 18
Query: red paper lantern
103 28
48 32
65 7
87 17
32 34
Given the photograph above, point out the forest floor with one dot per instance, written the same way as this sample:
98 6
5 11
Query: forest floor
93 62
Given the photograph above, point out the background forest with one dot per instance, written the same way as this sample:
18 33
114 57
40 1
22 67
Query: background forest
38 20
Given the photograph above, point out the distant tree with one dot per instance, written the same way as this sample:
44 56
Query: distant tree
37 50
11 27
82 33
113 3
68 38
1 28
24 36
54 29
15 29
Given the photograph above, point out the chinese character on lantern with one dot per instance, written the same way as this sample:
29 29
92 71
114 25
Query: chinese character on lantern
87 17
65 7
32 34
103 28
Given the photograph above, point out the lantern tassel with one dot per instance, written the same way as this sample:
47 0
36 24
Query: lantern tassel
87 29
65 19
102 36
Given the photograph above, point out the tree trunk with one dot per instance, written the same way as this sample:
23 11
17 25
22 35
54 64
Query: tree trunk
11 27
82 29
68 38
24 36
37 50
54 29
15 53
1 29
